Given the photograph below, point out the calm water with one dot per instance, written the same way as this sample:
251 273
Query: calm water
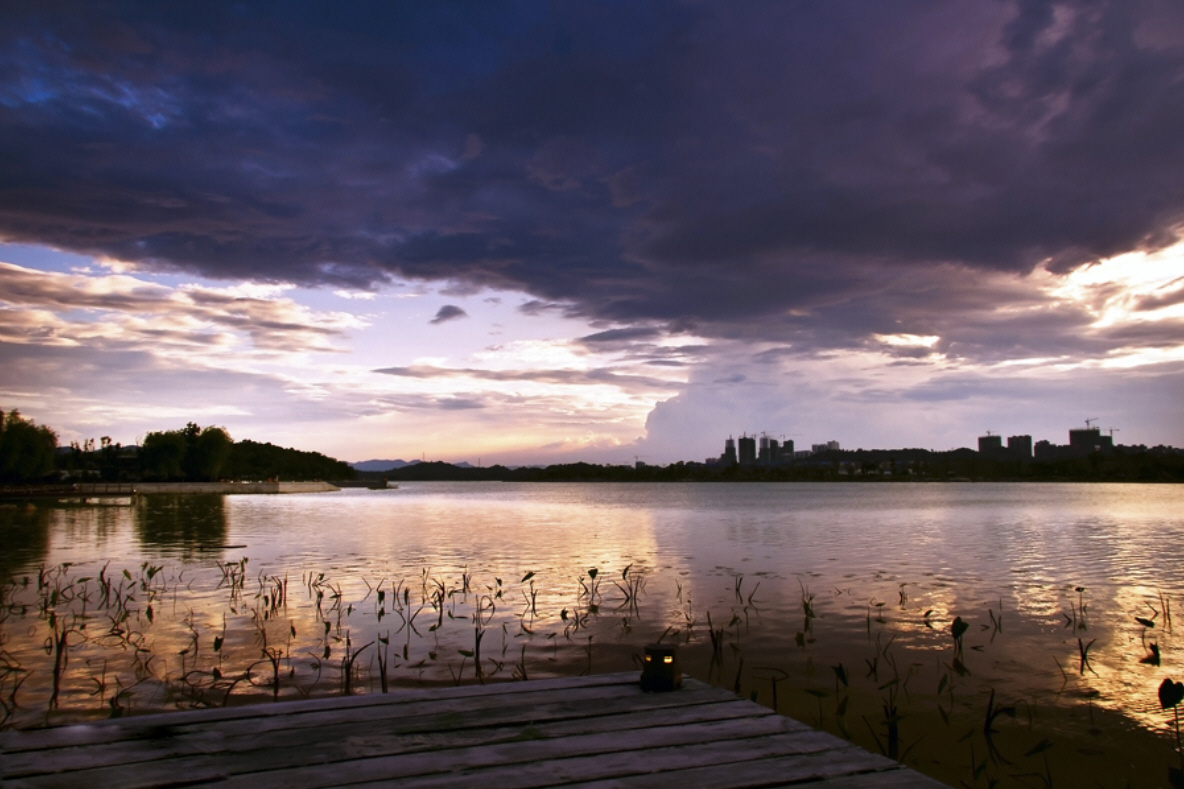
839 596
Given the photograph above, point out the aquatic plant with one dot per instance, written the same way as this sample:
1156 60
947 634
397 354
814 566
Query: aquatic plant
631 588
1170 695
1083 654
266 639
958 629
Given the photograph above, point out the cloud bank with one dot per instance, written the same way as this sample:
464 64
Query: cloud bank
919 182
662 161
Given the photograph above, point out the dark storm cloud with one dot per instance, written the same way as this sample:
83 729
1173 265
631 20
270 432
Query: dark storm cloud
535 308
657 163
449 312
617 336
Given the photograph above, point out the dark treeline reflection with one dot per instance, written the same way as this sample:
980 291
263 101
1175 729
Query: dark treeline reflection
188 522
24 538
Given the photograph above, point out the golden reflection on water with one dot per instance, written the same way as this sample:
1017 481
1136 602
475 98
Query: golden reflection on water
806 579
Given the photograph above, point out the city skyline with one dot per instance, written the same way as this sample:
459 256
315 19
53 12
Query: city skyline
551 233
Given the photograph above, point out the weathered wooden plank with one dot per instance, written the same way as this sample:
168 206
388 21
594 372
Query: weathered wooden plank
609 685
273 768
374 738
587 732
899 778
317 727
794 770
287 714
783 757
528 764
207 772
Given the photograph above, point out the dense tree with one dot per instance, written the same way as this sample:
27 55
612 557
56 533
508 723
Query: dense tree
193 453
26 450
206 451
162 455
255 460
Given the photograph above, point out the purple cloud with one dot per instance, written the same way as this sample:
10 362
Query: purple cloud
449 312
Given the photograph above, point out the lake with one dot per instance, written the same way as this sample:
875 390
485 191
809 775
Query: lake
835 603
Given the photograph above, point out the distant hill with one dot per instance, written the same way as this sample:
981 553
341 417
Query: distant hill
382 465
391 465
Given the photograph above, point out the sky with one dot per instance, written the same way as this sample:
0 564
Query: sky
541 232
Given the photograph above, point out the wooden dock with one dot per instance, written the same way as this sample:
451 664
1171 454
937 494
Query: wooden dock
596 731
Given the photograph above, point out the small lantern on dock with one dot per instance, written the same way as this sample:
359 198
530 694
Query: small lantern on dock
661 670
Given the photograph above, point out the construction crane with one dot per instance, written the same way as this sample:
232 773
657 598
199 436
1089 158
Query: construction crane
1089 422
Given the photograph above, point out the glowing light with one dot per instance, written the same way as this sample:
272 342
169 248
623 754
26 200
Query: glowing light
908 340
1134 287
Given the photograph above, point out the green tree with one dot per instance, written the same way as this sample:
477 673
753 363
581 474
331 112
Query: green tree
26 450
207 455
193 453
162 455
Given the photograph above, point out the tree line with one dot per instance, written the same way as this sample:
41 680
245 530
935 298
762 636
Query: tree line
29 453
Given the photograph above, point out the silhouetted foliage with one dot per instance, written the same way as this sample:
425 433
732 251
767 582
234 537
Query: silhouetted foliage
206 451
162 455
254 460
26 449
194 454
28 453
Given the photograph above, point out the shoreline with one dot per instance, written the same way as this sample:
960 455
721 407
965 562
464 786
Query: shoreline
125 489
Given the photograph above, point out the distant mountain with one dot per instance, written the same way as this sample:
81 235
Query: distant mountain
382 465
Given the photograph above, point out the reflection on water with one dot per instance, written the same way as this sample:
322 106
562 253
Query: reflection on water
24 538
839 596
181 523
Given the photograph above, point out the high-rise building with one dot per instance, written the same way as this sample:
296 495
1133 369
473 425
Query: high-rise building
729 457
747 450
765 453
1085 440
1020 446
990 444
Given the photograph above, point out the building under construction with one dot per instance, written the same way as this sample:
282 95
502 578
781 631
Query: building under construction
753 451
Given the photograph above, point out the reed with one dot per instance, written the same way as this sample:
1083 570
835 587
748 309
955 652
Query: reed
631 589
119 641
